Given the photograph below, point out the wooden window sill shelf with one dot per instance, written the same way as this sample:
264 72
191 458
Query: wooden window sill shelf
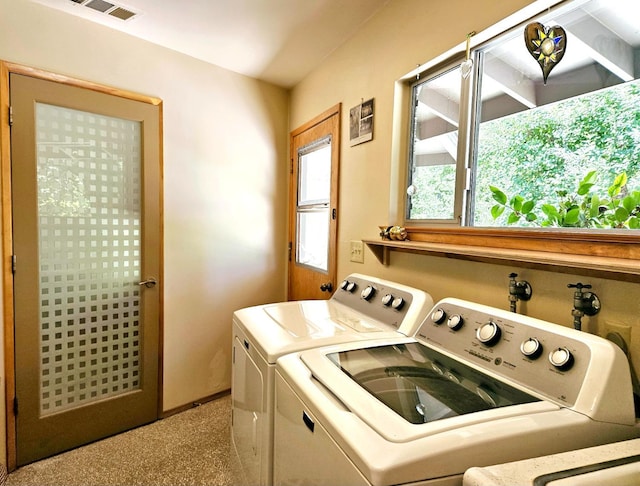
616 268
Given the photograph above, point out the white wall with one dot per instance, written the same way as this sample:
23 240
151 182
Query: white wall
404 34
225 180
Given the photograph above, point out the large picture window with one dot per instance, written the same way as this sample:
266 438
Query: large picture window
561 154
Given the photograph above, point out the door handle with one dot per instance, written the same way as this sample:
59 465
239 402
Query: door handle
308 421
326 287
150 282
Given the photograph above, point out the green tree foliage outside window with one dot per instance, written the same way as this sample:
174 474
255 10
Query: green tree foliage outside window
577 152
617 208
436 201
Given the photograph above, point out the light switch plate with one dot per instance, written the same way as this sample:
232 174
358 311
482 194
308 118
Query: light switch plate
356 251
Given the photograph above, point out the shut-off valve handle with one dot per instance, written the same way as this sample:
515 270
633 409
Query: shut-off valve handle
518 291
584 303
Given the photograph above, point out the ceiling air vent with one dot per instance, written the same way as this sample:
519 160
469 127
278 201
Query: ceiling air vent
122 13
107 8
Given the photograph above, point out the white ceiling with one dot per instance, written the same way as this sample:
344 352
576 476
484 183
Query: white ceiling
279 41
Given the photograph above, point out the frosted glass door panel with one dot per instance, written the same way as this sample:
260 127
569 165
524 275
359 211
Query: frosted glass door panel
89 225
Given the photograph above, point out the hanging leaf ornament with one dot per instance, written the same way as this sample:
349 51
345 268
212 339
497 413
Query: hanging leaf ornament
547 45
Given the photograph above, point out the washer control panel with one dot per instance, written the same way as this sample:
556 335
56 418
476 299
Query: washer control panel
390 303
545 357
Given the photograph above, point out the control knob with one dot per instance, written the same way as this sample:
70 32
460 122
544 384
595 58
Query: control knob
438 316
368 293
531 348
489 333
387 300
455 322
398 303
561 358
350 286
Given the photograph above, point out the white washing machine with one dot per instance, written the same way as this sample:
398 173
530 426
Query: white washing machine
476 386
363 307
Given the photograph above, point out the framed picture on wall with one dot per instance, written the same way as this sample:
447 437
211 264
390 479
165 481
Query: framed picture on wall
361 123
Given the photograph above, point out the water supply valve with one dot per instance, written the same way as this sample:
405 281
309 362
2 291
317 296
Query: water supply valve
518 290
584 303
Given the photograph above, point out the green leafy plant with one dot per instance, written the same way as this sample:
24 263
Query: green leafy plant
584 208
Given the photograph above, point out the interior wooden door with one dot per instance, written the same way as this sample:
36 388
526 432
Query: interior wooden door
86 199
313 207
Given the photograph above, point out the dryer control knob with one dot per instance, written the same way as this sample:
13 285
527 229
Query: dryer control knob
351 287
561 358
387 300
438 316
455 322
489 333
368 293
398 303
531 348
344 284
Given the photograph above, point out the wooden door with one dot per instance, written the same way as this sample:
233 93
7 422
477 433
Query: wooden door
313 207
86 212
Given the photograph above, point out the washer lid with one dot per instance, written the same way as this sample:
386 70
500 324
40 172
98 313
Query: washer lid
287 327
423 385
404 390
317 318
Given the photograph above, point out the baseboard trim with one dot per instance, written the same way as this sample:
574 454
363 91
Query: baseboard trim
197 403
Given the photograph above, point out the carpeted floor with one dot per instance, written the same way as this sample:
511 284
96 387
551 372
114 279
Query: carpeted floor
190 448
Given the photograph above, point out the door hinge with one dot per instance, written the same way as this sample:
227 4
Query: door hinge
291 167
334 213
290 250
15 405
14 259
10 115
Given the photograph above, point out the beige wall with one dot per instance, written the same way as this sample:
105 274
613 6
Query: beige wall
225 180
404 34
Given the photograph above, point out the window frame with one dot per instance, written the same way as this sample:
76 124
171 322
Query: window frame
604 253
462 155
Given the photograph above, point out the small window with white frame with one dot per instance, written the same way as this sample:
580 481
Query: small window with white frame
565 153
434 149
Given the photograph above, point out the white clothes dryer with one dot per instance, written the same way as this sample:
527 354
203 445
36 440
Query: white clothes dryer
363 307
475 386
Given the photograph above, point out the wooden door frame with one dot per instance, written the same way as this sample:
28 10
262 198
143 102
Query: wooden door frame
6 224
335 110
